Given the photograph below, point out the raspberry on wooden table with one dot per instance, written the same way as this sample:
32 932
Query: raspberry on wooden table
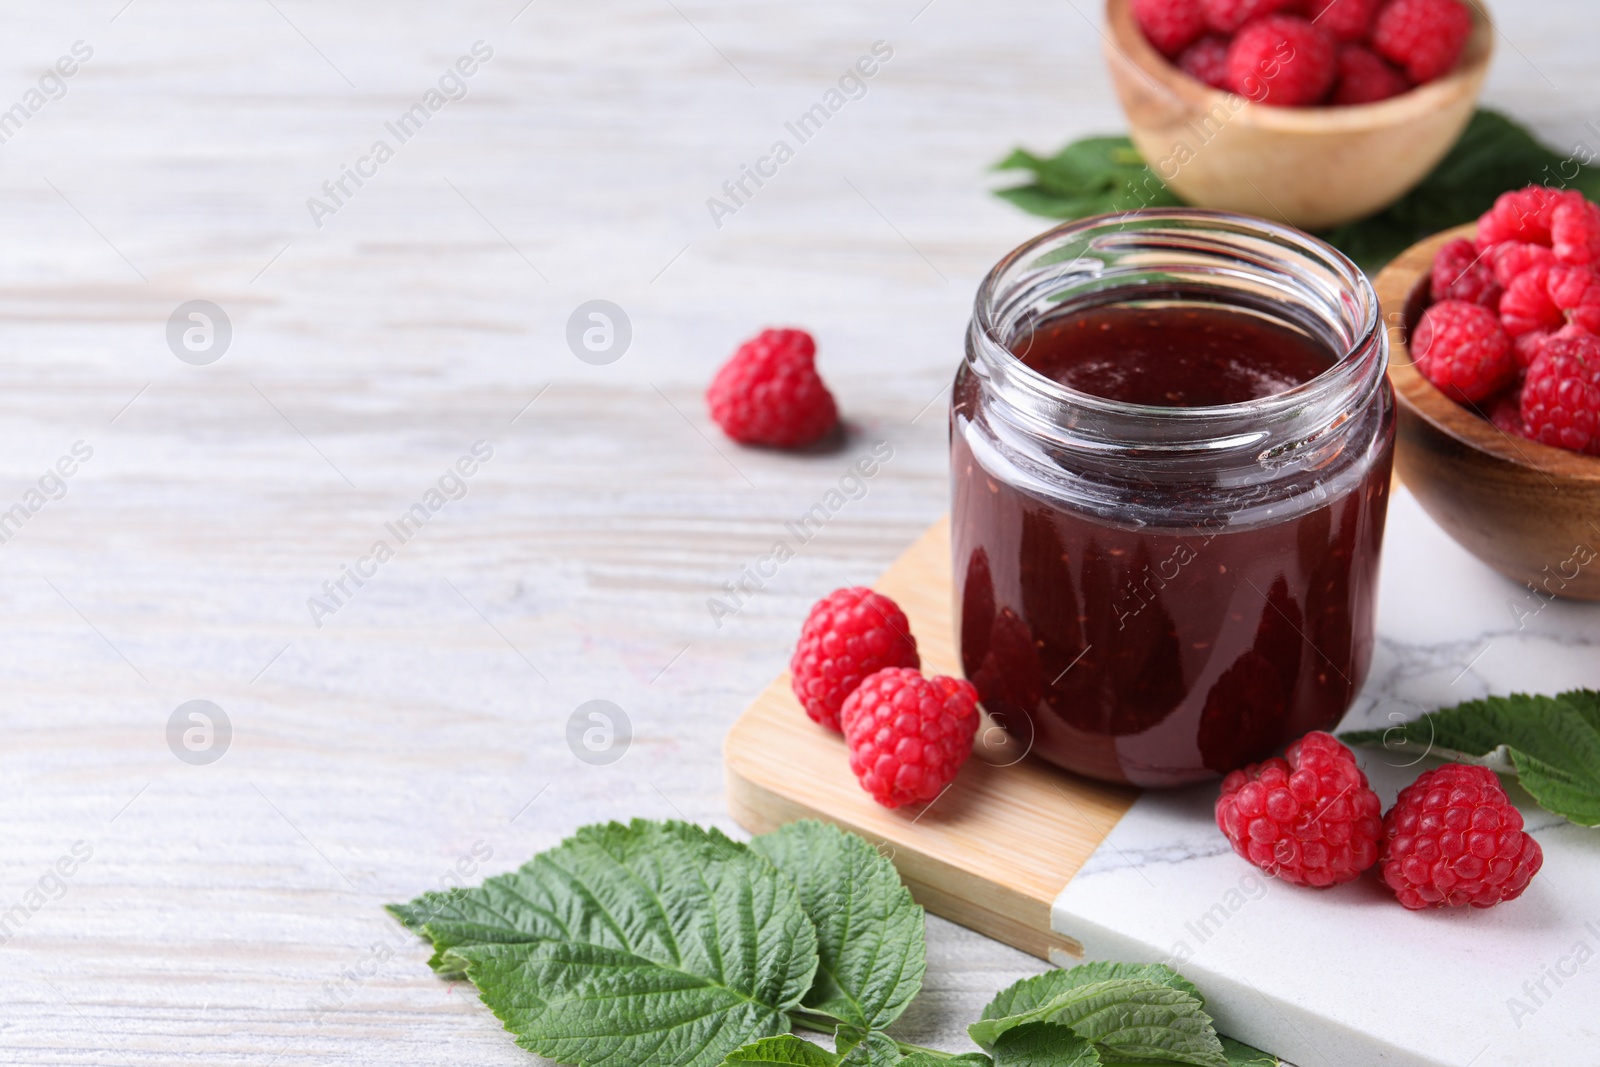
1258 69
1348 20
1461 272
769 393
909 735
1309 818
1453 838
1561 395
1228 16
1207 60
1424 37
850 634
1365 77
1462 349
1170 25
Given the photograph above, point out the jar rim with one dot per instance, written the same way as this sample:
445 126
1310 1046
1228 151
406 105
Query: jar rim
1359 366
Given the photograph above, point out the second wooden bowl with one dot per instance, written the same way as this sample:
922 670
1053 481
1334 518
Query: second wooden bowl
1530 511
1312 167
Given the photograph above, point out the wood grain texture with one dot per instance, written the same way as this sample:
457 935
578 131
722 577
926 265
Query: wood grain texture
370 755
1530 511
993 851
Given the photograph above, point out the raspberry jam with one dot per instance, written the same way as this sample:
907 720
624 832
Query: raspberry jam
1171 449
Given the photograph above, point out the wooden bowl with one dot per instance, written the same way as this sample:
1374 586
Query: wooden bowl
1312 167
1530 511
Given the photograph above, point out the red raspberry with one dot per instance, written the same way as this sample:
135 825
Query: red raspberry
1228 16
1576 292
909 735
1365 77
1309 818
1348 20
1526 305
1511 258
1561 396
849 634
1207 60
1424 37
1521 215
1462 349
1527 349
1575 232
1282 60
1453 838
1170 25
1461 273
1505 412
769 392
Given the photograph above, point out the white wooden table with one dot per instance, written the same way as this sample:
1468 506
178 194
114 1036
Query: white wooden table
230 913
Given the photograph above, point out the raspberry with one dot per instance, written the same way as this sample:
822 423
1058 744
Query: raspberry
909 735
1511 258
1561 396
1423 37
1453 838
1170 25
1207 60
1575 232
1348 20
1527 348
1282 60
1228 16
1461 273
1462 349
1521 215
1575 291
849 634
769 392
1526 305
1505 412
1366 77
1309 818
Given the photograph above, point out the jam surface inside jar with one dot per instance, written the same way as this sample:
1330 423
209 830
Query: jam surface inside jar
1155 653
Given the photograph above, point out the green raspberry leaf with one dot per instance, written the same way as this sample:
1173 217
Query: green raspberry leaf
1552 745
870 933
627 945
1044 1045
1127 1018
787 1049
969 1059
877 1050
1241 1055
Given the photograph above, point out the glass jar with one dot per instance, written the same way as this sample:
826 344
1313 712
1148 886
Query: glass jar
1158 595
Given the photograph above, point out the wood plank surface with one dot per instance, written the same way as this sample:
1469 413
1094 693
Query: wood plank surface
993 851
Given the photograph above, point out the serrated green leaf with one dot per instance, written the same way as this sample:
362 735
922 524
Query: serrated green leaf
1134 1018
786 1049
645 943
1241 1055
1029 994
877 1050
870 934
1102 175
1552 745
966 1059
1043 1045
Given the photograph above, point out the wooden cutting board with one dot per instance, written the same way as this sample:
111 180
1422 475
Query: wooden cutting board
994 851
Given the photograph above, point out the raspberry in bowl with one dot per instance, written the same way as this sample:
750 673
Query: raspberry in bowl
1318 112
1497 376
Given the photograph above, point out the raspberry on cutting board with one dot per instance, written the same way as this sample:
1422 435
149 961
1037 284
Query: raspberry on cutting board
1309 818
1463 349
850 634
1422 37
1283 60
769 393
909 735
1453 838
